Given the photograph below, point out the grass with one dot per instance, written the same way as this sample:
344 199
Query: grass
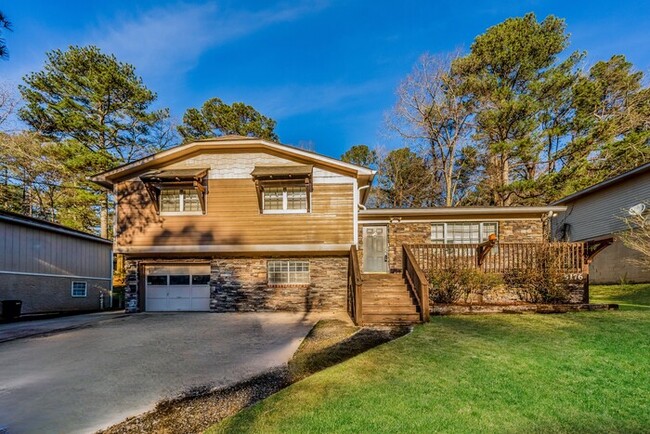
626 296
579 372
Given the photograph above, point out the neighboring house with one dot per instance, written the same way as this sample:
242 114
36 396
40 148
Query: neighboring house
239 224
52 268
598 212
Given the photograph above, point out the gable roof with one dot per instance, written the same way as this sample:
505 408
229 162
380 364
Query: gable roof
604 184
109 178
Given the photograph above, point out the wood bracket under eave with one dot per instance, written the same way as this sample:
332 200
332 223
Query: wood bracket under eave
154 195
593 248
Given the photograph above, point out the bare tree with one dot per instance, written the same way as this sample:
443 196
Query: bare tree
434 115
637 236
8 104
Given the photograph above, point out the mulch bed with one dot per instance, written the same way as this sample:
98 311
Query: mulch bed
328 343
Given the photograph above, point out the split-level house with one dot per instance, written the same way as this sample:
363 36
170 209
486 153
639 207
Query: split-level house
243 224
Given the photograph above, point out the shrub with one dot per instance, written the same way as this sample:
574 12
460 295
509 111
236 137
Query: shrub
456 284
540 280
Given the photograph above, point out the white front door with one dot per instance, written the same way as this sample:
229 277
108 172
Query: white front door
177 288
375 249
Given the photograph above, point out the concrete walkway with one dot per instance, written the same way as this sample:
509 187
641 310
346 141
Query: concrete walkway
89 378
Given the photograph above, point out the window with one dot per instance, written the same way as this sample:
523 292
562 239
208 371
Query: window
290 199
179 201
200 279
79 289
156 280
181 279
462 232
288 272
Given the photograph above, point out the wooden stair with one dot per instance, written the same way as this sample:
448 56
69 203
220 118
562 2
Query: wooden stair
387 300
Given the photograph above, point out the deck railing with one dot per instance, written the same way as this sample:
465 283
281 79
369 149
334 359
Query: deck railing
501 257
355 299
416 280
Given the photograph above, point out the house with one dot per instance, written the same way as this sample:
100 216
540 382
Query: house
52 268
243 224
597 213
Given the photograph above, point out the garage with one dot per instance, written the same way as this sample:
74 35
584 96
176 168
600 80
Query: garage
177 288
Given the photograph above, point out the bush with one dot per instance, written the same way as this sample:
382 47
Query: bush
456 284
541 280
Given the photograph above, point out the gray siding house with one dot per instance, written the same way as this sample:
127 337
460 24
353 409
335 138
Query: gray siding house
596 213
52 268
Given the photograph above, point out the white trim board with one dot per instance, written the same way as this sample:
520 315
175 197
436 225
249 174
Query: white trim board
69 276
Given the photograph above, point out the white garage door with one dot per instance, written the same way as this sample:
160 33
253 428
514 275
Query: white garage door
177 288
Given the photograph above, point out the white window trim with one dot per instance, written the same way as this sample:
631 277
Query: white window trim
269 283
285 202
85 289
446 223
182 205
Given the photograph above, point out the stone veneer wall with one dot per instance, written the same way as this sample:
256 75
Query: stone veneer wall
510 231
240 285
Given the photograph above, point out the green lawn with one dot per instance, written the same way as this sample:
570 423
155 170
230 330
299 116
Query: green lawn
578 372
627 296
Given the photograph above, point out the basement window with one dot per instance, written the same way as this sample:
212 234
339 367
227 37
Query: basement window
288 272
79 289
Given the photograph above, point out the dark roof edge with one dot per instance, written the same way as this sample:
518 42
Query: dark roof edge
604 184
48 226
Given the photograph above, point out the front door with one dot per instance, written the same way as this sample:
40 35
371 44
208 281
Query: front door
375 249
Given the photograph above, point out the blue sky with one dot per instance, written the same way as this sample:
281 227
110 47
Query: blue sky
325 70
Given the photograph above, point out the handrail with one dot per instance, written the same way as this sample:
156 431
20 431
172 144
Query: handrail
416 281
355 283
569 257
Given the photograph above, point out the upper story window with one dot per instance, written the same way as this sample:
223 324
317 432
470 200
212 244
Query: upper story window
177 191
283 189
462 232
182 201
289 199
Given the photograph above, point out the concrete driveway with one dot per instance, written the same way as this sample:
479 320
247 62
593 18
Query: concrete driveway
89 378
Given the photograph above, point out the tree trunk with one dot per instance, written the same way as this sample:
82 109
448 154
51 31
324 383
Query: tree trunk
103 218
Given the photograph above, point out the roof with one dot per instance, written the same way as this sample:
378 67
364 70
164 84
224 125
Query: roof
459 211
174 174
110 177
298 170
604 184
33 222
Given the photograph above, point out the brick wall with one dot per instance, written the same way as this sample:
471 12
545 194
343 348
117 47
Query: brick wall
240 285
52 294
420 233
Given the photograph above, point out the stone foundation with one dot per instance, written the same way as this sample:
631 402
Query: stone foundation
458 309
241 285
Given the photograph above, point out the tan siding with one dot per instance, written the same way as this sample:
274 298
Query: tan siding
233 218
26 249
600 213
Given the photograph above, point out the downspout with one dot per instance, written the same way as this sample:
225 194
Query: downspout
363 207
